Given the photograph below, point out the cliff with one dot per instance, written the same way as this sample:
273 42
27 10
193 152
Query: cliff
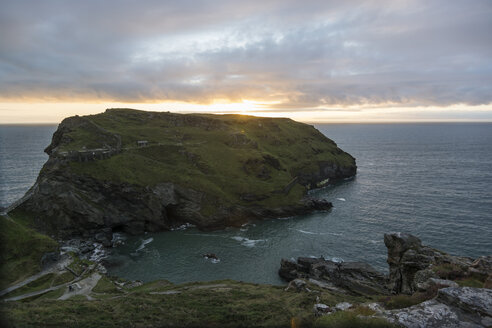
136 171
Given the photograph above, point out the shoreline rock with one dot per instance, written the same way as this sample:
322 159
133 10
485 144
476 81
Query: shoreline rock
417 273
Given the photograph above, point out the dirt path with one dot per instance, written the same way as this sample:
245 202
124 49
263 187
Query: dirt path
58 266
83 287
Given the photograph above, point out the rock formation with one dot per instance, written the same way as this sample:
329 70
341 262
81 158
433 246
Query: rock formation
452 307
432 276
354 277
135 171
411 264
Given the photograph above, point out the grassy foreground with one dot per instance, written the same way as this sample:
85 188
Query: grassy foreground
223 303
21 251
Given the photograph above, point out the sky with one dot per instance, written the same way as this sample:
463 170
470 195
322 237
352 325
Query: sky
313 61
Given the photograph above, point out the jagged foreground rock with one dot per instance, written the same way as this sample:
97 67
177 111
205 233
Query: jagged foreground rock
413 266
413 269
452 307
135 171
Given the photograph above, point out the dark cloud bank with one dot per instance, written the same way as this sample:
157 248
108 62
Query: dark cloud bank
300 53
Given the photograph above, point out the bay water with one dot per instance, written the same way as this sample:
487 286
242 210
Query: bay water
433 180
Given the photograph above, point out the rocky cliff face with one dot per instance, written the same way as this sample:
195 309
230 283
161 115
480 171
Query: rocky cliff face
134 171
412 266
428 278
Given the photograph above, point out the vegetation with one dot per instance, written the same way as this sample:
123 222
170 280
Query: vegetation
22 250
226 156
105 285
78 265
207 304
470 282
449 271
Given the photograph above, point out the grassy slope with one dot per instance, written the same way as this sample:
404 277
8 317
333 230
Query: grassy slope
211 304
194 153
21 251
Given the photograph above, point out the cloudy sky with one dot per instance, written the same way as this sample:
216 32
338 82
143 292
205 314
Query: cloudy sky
318 61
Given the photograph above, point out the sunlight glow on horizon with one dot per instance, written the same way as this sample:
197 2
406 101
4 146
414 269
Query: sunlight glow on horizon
55 112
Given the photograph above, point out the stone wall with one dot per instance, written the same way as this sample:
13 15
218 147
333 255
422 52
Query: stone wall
88 155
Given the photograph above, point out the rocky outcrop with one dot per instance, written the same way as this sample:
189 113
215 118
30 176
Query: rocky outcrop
105 142
327 172
356 278
431 276
412 264
453 307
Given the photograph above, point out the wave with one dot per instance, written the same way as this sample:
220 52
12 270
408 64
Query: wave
341 199
318 233
308 232
144 242
248 242
183 227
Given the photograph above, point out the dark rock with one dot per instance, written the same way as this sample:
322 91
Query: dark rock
354 277
321 309
86 248
289 270
105 237
211 256
411 263
404 261
49 259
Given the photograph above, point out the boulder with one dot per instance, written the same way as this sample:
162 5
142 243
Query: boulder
296 285
105 237
321 309
49 259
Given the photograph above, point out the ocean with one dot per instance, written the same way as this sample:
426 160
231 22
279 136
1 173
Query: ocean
431 180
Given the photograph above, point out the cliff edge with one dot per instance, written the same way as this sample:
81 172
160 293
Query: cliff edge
135 171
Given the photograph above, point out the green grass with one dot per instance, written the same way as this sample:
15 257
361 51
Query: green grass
62 278
34 286
470 282
202 152
105 285
22 250
44 282
449 271
231 304
401 301
78 265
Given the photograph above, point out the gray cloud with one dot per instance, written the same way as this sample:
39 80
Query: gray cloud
314 54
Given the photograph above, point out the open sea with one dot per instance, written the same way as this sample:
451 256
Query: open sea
431 180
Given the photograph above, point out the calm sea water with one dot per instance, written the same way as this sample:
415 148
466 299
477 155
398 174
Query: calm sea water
432 180
21 158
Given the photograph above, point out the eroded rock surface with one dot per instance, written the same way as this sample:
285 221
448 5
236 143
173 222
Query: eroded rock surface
353 277
453 307
411 263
